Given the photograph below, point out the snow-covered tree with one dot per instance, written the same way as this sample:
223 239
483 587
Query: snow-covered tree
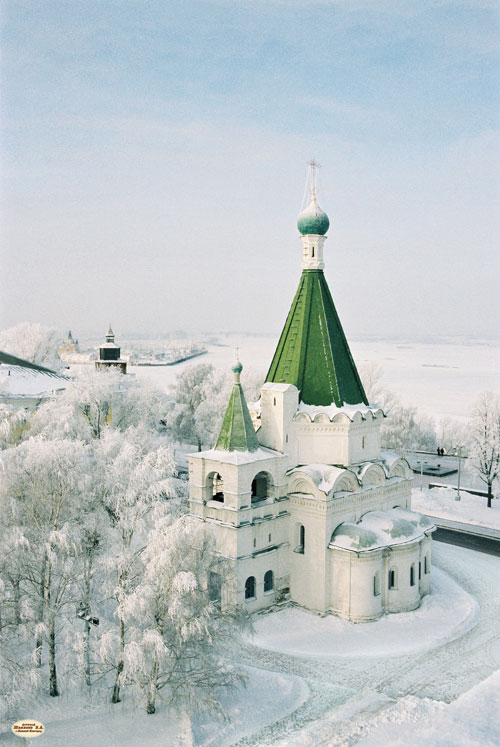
97 399
34 343
13 425
189 392
453 436
406 429
43 496
484 429
175 649
372 375
135 472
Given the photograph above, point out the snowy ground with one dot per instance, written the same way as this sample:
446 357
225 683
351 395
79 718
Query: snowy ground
470 509
301 696
69 725
448 613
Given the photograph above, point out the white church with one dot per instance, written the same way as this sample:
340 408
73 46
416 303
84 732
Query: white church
303 503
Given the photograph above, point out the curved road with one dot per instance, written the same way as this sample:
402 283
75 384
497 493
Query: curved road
443 673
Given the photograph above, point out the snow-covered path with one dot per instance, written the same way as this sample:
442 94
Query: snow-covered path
362 685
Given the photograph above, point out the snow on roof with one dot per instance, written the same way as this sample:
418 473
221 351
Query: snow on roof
237 457
332 410
270 385
389 458
323 475
378 529
109 345
19 381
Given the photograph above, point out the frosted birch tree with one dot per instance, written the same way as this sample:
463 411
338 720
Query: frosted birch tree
136 475
178 633
485 440
34 343
44 494
96 400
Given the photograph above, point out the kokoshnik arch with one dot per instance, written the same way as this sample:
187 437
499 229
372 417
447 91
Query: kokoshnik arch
303 503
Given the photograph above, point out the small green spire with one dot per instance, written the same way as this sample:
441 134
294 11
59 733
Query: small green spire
237 432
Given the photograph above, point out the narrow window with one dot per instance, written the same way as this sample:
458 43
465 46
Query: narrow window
302 537
376 585
426 564
363 442
419 571
268 581
255 543
392 579
269 538
250 587
412 576
312 252
274 401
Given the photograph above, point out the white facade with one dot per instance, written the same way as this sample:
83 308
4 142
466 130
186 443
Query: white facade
318 514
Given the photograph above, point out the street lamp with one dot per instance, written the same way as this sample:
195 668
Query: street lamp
458 496
421 473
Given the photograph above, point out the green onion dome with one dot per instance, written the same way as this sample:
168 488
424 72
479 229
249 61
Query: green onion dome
313 220
237 368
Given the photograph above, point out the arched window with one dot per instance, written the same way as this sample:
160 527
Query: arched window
268 581
260 487
250 587
376 585
214 488
218 488
392 580
412 575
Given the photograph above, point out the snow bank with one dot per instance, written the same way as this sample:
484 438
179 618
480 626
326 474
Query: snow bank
472 719
272 697
444 615
269 697
471 509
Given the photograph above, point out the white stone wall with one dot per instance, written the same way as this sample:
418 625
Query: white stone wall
351 585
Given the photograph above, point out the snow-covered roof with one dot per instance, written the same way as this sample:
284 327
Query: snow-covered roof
112 345
19 381
276 387
237 457
323 475
378 529
389 458
332 410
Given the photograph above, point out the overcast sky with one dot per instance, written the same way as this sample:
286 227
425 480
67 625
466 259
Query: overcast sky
154 162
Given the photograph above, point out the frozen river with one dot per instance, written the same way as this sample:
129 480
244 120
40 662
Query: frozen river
440 378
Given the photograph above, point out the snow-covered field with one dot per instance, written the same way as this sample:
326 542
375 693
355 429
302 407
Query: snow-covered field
441 378
414 679
470 509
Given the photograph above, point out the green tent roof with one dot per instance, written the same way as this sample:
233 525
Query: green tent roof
237 432
313 352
